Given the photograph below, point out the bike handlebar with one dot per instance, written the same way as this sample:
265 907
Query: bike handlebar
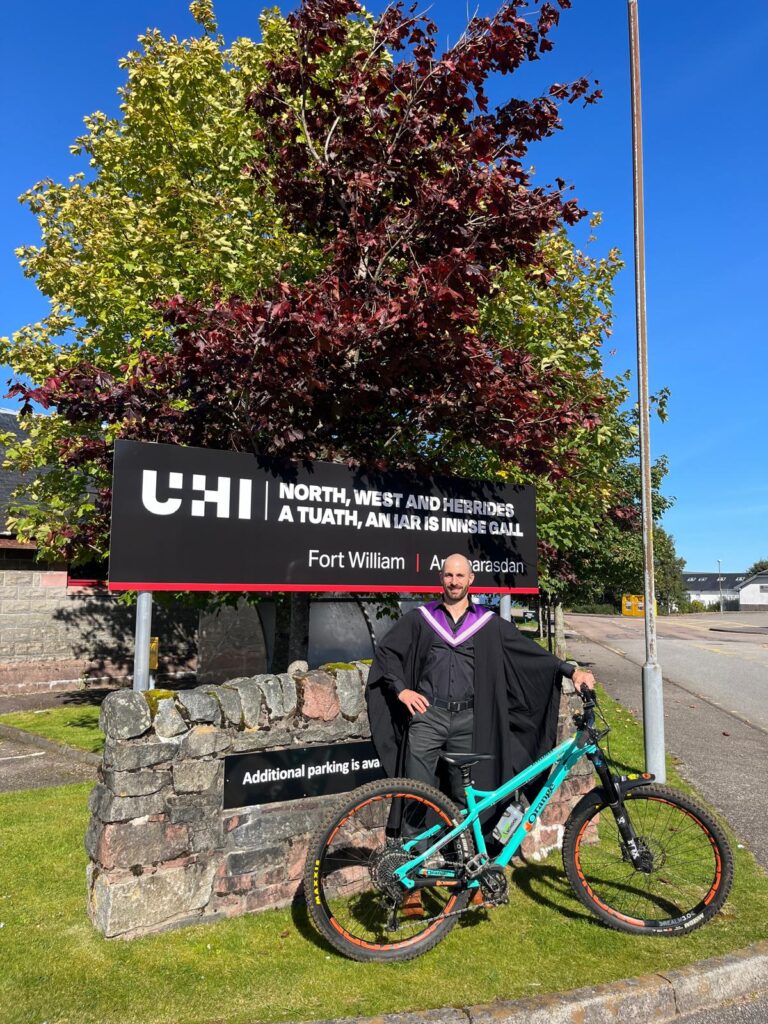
588 696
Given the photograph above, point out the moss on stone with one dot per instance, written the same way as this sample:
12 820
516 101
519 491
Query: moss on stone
334 666
153 698
365 661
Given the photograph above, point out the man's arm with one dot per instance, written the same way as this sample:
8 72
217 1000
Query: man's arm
578 676
389 664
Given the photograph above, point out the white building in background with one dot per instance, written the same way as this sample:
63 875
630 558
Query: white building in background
753 593
705 586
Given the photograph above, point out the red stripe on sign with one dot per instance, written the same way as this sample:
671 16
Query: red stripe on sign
372 588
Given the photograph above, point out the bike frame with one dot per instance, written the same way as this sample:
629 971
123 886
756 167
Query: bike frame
561 760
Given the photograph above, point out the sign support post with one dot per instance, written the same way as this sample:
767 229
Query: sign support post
143 640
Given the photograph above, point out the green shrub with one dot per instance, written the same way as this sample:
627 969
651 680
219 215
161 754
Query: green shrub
594 609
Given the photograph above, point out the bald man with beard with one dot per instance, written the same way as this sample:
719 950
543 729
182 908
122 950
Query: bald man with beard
452 676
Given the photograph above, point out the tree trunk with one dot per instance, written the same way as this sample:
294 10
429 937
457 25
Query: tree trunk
291 630
298 641
279 659
559 630
367 619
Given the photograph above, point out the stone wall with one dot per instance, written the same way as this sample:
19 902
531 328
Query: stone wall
53 636
162 850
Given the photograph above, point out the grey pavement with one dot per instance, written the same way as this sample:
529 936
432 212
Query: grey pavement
729 674
28 766
723 658
719 751
37 700
749 1011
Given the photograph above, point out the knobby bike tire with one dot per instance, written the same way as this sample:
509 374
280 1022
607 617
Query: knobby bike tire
692 868
349 855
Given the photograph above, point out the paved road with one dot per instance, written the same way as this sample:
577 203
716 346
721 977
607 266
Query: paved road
753 1011
722 658
714 729
29 767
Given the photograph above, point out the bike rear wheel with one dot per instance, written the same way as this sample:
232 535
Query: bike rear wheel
687 871
352 895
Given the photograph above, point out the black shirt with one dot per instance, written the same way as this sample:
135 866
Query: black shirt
450 671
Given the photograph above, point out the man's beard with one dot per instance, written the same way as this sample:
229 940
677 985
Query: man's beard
457 595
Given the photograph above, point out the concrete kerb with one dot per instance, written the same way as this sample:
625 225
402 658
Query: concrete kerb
654 998
30 739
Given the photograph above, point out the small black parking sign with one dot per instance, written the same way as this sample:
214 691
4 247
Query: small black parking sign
277 775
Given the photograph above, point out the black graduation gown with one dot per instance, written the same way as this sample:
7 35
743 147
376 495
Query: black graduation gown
517 697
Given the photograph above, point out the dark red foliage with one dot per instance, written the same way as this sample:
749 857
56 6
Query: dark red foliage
626 517
418 195
559 564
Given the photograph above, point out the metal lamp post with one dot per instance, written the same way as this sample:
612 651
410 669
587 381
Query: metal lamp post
720 584
653 696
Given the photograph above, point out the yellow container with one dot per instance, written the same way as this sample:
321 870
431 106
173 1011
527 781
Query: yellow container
634 605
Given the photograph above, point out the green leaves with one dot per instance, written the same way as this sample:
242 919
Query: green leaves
163 209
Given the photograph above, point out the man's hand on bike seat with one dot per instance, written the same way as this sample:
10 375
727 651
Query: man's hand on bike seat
415 702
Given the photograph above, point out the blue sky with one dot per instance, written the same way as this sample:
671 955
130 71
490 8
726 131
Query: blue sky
704 103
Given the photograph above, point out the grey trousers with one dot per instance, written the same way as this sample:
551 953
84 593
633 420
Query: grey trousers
432 731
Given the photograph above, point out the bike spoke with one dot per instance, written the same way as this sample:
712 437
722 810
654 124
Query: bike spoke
356 871
682 867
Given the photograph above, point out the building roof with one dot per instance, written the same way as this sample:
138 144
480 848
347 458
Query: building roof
9 478
711 580
756 576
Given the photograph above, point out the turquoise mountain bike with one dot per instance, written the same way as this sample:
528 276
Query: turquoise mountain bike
641 857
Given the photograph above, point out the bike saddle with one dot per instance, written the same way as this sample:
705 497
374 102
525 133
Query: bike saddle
465 760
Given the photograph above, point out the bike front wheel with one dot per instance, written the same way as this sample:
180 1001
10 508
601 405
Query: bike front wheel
686 863
353 896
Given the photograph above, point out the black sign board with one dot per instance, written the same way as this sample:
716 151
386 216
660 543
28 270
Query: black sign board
276 775
198 519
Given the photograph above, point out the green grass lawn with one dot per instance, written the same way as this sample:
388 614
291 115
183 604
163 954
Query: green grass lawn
271 966
75 726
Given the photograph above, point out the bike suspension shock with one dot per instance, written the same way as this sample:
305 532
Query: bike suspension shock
635 850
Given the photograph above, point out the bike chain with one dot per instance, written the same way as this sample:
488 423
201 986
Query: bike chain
485 905
458 913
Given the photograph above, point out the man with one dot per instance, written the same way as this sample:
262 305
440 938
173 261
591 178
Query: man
452 676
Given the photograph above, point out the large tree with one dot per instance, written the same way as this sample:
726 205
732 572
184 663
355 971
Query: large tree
412 198
163 208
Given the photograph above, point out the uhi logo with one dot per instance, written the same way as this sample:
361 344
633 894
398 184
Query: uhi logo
202 500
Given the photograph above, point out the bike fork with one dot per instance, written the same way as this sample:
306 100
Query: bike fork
629 837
